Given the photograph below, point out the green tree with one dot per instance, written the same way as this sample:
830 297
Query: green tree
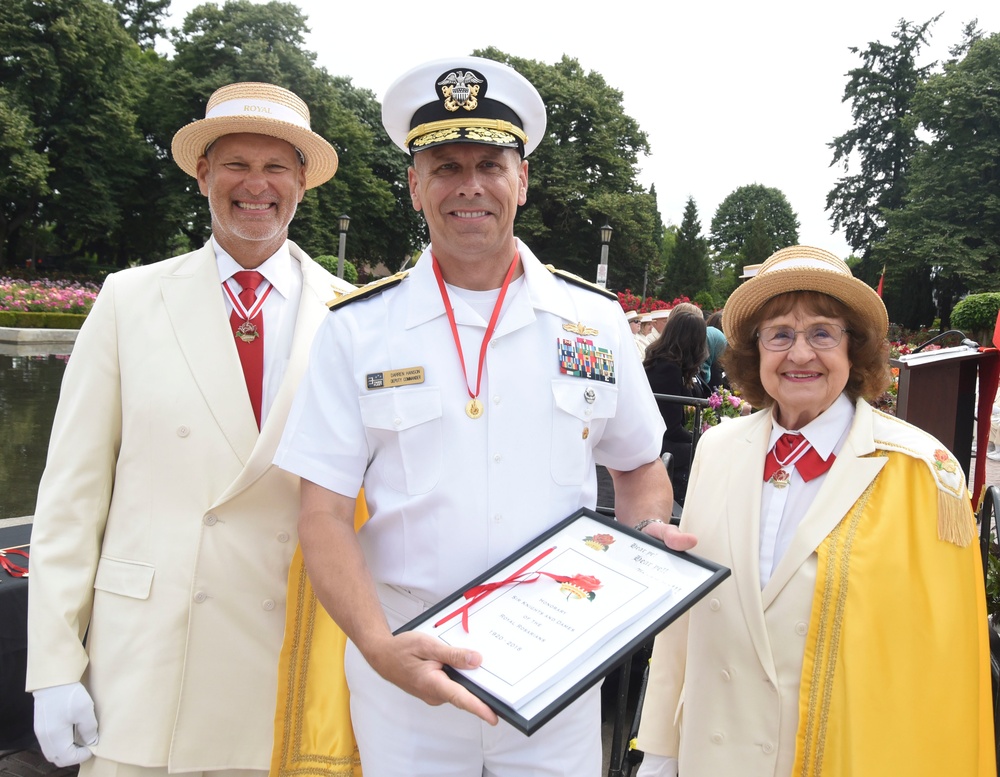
883 138
585 174
760 242
687 270
949 223
71 83
748 207
24 171
143 19
658 269
879 148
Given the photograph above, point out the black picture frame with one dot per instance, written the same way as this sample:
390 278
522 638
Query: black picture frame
530 717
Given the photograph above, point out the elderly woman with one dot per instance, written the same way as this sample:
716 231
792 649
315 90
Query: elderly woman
850 640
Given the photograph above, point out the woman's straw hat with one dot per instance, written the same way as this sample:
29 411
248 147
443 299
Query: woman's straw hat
803 268
260 109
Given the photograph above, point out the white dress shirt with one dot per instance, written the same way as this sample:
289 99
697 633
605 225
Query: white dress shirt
782 509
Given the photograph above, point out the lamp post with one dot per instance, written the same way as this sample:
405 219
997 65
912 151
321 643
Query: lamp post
345 221
602 268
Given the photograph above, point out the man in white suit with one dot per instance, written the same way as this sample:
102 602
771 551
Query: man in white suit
163 534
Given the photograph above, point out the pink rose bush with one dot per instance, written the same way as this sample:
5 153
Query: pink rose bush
45 296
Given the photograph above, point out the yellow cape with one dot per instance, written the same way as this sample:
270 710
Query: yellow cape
313 736
896 675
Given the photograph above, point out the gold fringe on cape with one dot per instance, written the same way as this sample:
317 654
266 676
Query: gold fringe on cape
955 525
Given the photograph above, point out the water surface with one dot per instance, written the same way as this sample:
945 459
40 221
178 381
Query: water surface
29 390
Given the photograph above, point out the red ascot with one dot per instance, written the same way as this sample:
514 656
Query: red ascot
794 449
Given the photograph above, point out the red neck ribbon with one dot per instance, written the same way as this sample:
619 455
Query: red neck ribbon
489 329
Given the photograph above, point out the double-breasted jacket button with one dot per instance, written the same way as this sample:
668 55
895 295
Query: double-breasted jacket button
282 536
267 604
200 596
211 519
767 747
183 431
714 605
717 738
801 628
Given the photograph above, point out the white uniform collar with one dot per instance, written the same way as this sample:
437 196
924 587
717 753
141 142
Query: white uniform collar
542 290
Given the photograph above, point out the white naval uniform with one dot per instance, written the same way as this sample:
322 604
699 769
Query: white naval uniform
450 496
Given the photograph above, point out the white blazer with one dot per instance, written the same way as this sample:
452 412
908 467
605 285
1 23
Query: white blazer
163 534
700 696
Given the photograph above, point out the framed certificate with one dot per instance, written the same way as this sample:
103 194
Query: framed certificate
562 612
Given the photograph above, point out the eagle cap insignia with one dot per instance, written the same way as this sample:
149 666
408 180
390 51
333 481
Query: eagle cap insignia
461 88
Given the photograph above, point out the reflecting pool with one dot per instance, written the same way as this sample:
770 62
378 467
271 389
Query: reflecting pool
29 389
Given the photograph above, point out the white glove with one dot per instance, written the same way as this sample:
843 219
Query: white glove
657 766
63 715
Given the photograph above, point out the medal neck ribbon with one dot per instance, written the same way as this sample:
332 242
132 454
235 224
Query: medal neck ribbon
489 329
240 308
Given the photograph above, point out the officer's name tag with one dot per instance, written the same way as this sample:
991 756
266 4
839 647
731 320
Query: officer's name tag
393 378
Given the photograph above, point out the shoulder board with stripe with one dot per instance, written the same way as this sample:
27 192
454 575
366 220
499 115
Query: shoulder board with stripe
368 290
576 280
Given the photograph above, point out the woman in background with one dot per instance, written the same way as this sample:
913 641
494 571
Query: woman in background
672 365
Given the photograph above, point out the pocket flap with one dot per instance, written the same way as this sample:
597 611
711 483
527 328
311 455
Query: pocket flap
585 399
401 409
127 578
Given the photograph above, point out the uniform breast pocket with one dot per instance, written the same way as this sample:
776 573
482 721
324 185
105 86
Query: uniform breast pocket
582 410
404 433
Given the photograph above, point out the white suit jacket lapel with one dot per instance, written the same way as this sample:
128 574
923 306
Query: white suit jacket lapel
847 480
743 506
192 296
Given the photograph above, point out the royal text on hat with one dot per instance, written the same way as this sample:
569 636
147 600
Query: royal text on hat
260 109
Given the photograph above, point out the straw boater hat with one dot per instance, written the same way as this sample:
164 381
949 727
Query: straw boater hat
463 100
632 315
260 109
802 268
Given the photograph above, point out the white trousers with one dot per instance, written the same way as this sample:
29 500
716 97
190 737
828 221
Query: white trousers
398 734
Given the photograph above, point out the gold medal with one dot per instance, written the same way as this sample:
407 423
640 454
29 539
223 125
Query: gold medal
474 409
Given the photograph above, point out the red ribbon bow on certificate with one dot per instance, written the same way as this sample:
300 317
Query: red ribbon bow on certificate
479 592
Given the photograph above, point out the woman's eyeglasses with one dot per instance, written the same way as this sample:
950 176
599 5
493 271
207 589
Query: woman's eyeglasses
821 337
